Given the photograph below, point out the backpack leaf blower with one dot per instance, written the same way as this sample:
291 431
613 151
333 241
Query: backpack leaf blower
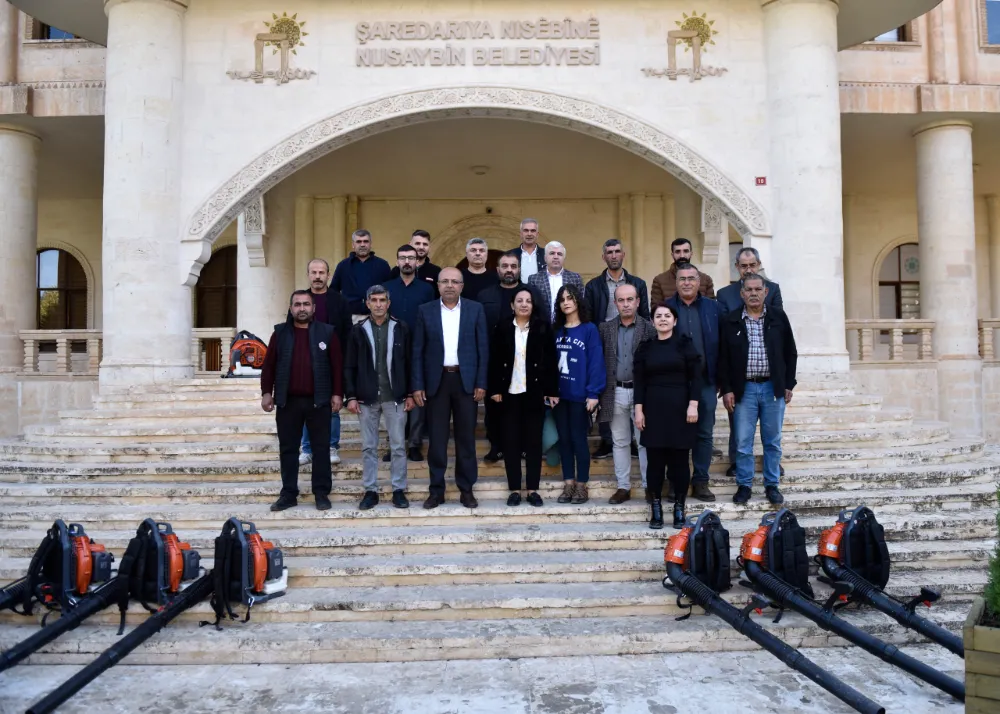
246 355
156 566
774 559
246 565
697 561
66 567
854 551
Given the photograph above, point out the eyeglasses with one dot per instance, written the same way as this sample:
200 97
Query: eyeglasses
687 280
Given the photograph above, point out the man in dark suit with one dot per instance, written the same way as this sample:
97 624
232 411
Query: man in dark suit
450 355
496 302
546 284
748 263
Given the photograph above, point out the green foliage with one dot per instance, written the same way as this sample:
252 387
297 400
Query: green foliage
992 593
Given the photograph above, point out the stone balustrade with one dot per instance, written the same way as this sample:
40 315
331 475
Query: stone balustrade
987 330
210 349
906 339
35 340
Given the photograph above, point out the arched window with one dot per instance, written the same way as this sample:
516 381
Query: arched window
61 291
216 290
899 284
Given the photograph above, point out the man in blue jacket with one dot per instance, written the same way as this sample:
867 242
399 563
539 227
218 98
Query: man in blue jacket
700 318
358 272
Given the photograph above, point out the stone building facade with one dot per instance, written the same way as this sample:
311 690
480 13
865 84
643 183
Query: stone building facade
167 168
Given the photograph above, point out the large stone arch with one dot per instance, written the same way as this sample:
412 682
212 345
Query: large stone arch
380 115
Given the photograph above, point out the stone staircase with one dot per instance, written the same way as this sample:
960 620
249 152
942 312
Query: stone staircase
452 583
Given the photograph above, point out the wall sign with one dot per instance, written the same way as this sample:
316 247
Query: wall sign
562 46
283 36
695 33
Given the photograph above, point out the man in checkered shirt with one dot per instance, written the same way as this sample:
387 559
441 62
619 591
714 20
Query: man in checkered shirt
757 359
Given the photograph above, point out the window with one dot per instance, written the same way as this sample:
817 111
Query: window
38 30
991 21
900 34
899 284
216 290
61 291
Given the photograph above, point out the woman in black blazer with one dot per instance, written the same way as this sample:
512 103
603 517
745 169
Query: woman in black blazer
523 379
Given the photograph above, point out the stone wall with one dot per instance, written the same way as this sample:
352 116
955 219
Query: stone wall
910 386
40 399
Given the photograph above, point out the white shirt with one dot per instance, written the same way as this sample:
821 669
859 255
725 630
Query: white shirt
529 263
450 320
555 282
519 373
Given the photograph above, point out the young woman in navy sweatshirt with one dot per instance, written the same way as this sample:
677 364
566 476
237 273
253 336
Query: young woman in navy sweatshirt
581 381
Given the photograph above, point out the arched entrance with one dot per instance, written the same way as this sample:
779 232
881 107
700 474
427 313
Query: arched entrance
610 125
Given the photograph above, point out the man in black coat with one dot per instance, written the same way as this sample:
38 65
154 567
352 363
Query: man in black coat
599 296
757 359
301 376
377 384
496 302
748 263
426 270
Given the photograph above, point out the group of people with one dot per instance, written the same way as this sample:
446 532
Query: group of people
418 347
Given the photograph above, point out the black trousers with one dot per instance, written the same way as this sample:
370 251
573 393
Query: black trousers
495 424
675 463
299 412
523 419
452 402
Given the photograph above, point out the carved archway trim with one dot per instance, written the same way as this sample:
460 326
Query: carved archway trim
500 232
381 115
88 271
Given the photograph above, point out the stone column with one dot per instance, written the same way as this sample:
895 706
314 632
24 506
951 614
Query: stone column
341 238
804 116
946 228
993 222
714 244
638 242
262 296
18 243
9 17
304 236
147 311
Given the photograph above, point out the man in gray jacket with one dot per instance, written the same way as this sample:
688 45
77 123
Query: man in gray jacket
377 384
622 337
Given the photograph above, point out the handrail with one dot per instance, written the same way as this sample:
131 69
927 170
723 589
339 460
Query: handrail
201 337
866 330
63 339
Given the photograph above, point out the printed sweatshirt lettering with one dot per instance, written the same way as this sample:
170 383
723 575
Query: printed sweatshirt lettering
582 374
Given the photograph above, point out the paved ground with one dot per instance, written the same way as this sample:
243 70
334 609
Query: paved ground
719 683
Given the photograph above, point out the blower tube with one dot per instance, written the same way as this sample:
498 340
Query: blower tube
712 602
790 597
12 594
195 593
871 595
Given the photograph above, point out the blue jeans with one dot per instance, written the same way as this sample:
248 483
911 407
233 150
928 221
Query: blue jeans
701 454
573 423
334 435
758 404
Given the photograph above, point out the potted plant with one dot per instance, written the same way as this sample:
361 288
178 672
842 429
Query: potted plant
981 635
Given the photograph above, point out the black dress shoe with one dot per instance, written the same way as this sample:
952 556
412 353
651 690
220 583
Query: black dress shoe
323 503
468 500
534 499
742 494
514 499
284 502
399 499
774 495
656 515
368 501
494 456
603 451
679 515
414 454
433 501
387 457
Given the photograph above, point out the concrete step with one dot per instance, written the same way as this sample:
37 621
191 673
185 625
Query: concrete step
327 642
48 450
491 601
33 486
454 531
184 516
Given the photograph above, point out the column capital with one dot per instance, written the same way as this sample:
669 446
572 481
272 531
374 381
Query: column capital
178 5
943 123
